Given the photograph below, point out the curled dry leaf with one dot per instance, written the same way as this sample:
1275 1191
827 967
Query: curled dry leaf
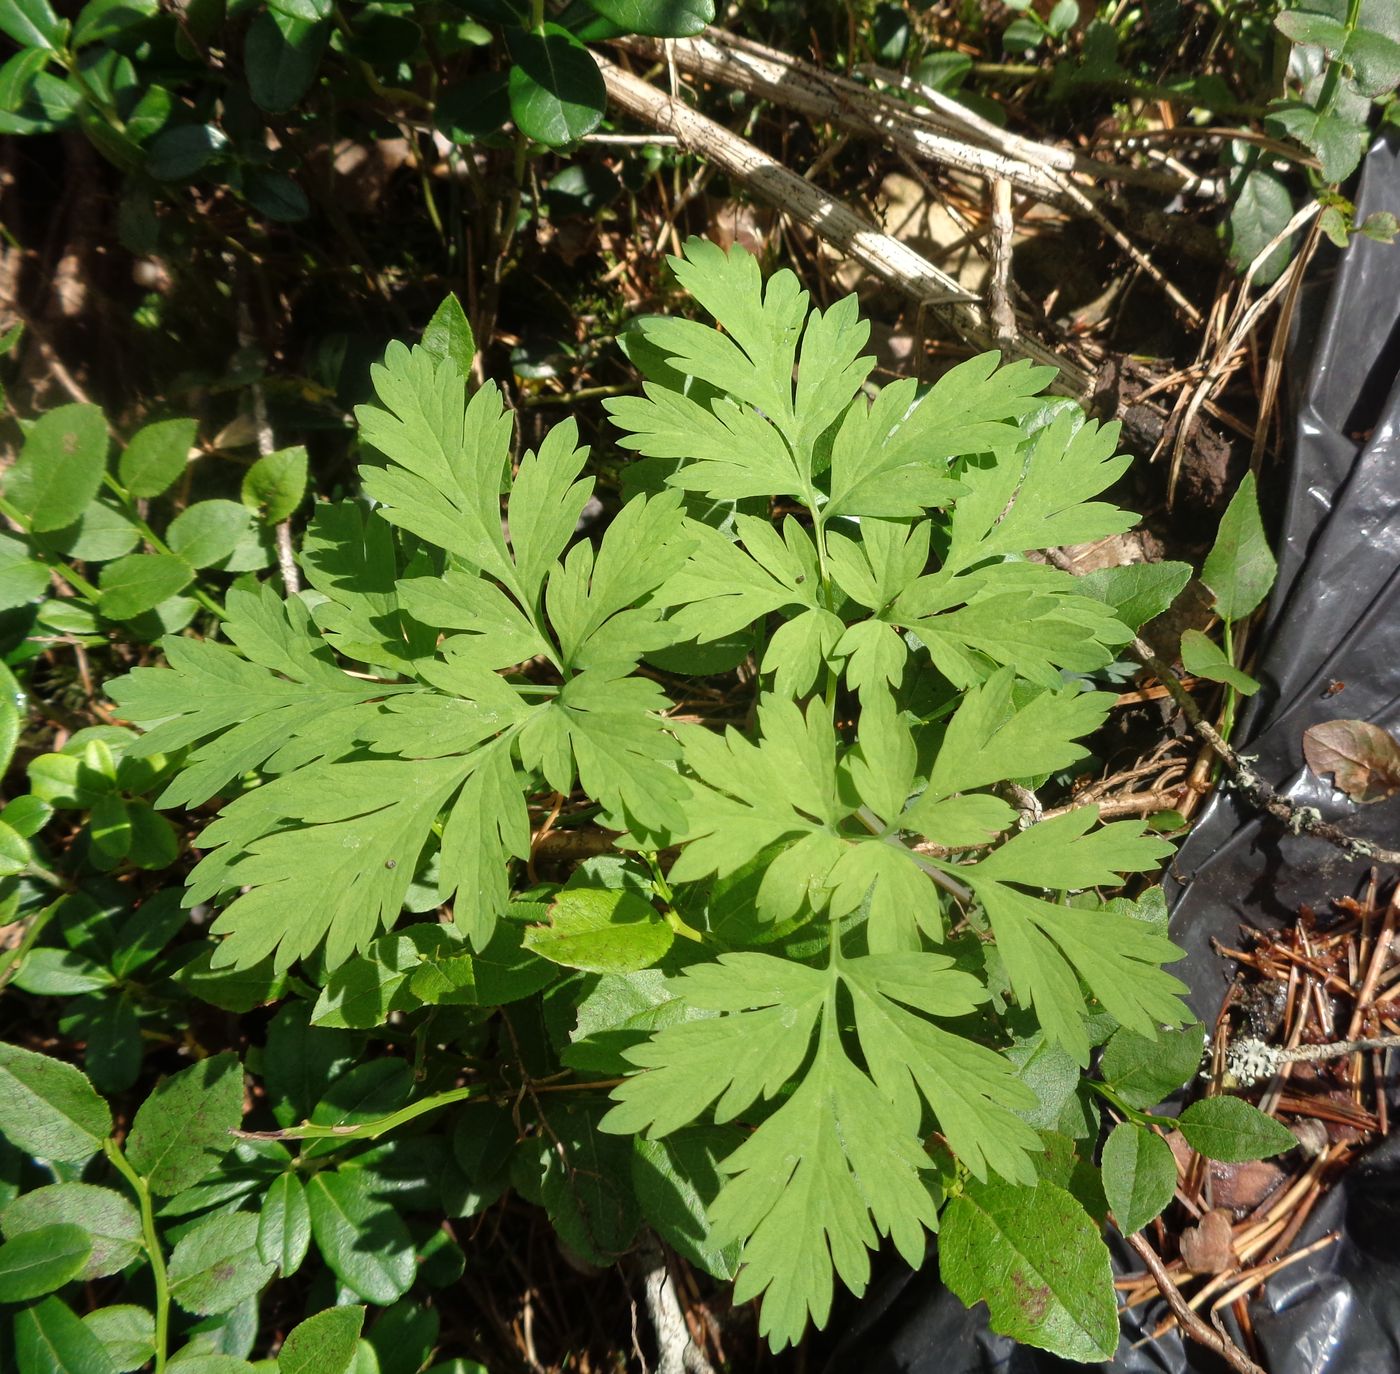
1363 759
1208 1247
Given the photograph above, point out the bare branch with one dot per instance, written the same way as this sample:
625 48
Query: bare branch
1195 1327
830 219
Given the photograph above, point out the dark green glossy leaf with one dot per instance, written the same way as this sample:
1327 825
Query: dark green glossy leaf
365 1242
277 196
36 1262
181 1131
110 1222
1139 1176
101 20
556 90
281 55
156 456
323 1344
49 1108
216 1265
59 469
31 23
1232 1131
659 18
49 1339
479 106
178 154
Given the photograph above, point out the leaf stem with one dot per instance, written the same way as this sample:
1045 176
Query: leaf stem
1132 1113
75 580
372 1130
151 1240
1227 718
157 543
1328 96
13 958
940 879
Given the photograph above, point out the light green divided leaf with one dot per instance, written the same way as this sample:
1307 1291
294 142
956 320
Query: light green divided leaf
835 1161
1048 948
1037 1260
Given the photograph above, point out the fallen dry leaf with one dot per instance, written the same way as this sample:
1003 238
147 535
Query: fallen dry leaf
1208 1247
1242 1187
1363 759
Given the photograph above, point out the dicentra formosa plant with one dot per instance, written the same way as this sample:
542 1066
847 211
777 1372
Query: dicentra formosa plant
861 910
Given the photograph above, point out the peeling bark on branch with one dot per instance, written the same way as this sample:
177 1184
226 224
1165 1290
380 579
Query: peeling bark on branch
831 220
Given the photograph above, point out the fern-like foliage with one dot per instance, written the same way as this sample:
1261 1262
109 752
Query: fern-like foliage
462 651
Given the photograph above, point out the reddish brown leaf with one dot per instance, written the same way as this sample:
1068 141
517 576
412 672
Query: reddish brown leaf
1363 759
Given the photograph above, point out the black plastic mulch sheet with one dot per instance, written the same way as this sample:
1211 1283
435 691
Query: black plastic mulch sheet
1334 617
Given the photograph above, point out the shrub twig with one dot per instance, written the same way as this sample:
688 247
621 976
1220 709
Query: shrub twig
1193 1324
1259 791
